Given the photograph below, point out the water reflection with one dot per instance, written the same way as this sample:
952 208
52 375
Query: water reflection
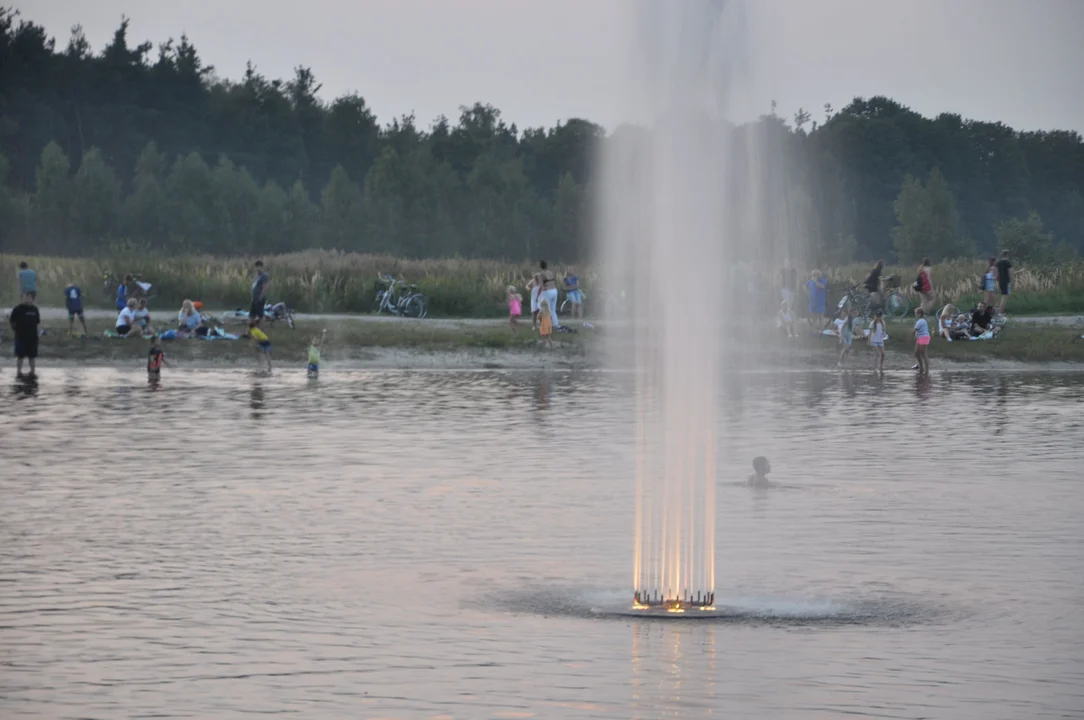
25 386
673 670
261 544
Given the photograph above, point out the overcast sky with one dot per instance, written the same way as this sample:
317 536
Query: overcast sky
539 61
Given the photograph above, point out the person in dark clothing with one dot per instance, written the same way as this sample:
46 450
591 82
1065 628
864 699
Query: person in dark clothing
982 319
873 283
25 320
155 359
1004 278
259 294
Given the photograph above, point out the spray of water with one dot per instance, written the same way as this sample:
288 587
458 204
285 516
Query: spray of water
682 201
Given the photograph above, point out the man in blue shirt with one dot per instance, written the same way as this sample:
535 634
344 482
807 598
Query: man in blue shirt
575 295
73 300
122 292
28 281
259 294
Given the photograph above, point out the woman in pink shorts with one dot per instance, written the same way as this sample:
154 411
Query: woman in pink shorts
922 343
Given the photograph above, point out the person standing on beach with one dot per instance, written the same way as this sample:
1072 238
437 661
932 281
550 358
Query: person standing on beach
534 287
25 319
1004 279
259 296
924 285
817 287
28 281
73 301
549 292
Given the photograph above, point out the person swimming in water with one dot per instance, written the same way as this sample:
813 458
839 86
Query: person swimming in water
761 468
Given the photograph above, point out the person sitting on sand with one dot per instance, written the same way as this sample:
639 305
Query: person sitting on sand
127 325
189 319
982 319
142 314
761 468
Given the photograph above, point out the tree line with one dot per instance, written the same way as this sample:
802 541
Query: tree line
147 146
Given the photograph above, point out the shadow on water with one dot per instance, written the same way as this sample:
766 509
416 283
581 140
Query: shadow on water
730 609
25 386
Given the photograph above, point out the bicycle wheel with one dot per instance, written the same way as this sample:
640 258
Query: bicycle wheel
896 305
378 302
416 306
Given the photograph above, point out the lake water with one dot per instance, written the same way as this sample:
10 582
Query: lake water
440 544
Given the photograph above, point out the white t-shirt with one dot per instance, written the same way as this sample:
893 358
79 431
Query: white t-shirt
142 314
876 332
922 327
127 317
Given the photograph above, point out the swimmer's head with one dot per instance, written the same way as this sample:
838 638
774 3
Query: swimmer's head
761 466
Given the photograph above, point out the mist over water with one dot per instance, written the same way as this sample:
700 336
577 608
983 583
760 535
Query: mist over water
686 197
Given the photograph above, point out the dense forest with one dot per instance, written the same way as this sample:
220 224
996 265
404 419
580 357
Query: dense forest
148 147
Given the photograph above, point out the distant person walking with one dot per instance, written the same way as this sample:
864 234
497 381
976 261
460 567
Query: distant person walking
25 319
924 285
73 301
260 286
1004 278
817 286
28 281
989 281
549 292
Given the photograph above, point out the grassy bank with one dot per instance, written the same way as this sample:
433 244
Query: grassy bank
318 281
360 339
347 339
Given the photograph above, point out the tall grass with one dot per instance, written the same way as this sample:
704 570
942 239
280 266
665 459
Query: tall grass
319 281
312 281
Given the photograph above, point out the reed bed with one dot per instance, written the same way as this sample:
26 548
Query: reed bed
324 281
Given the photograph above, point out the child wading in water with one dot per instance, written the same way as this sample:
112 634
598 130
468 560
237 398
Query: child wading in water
515 306
263 344
922 343
786 320
315 346
846 336
877 339
155 360
545 323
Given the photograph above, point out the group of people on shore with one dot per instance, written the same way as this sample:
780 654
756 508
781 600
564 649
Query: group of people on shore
953 324
134 320
543 289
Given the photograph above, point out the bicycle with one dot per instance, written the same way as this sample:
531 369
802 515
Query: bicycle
398 298
895 304
278 311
